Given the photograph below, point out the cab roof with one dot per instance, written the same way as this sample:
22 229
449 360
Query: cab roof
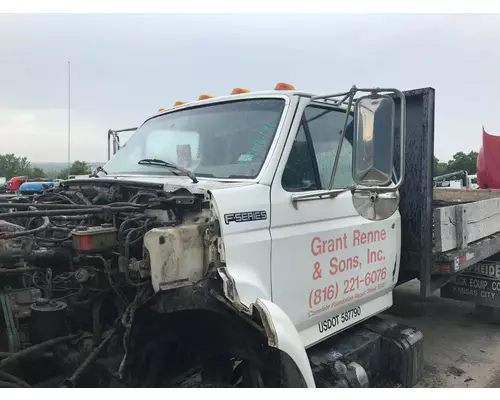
281 90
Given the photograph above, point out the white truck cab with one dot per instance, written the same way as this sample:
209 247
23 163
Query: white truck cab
298 221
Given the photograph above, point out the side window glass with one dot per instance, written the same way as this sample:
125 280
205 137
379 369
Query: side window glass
299 175
325 126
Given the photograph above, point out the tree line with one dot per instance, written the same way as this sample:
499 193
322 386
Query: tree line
459 162
12 165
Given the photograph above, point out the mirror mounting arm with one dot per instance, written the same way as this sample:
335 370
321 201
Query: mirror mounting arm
347 99
339 149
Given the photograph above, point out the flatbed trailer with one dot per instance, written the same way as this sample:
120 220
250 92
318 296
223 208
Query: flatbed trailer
466 241
450 237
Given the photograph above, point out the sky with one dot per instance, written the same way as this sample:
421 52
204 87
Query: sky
125 67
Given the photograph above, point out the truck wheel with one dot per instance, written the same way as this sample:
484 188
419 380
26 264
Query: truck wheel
488 314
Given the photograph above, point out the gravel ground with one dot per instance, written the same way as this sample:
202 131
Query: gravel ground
460 349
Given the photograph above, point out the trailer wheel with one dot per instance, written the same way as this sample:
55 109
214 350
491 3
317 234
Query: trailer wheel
488 314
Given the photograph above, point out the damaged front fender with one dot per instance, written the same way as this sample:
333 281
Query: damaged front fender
283 335
280 331
193 328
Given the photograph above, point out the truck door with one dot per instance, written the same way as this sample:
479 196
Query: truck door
331 268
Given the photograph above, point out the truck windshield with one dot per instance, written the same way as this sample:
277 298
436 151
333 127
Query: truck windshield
222 140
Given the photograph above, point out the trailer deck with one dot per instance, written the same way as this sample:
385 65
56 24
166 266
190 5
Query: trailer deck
466 234
464 216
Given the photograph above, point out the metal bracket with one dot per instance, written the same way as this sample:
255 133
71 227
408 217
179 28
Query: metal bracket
461 226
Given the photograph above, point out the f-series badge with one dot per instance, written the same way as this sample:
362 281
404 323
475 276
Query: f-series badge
245 216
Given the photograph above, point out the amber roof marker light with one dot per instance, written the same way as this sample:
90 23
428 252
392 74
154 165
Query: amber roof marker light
284 86
205 97
179 103
240 91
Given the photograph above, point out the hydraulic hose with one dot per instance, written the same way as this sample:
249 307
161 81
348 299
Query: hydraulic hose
127 245
91 358
9 385
54 206
49 213
15 271
6 377
12 235
34 349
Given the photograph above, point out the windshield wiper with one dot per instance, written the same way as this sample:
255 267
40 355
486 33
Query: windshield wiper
155 161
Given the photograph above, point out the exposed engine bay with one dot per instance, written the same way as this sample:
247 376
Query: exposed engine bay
74 266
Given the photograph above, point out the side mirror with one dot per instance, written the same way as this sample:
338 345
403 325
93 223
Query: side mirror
373 141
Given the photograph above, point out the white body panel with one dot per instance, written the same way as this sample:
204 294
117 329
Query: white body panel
247 246
473 181
331 268
358 258
322 257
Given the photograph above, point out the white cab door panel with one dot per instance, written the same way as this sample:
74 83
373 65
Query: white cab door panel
330 267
